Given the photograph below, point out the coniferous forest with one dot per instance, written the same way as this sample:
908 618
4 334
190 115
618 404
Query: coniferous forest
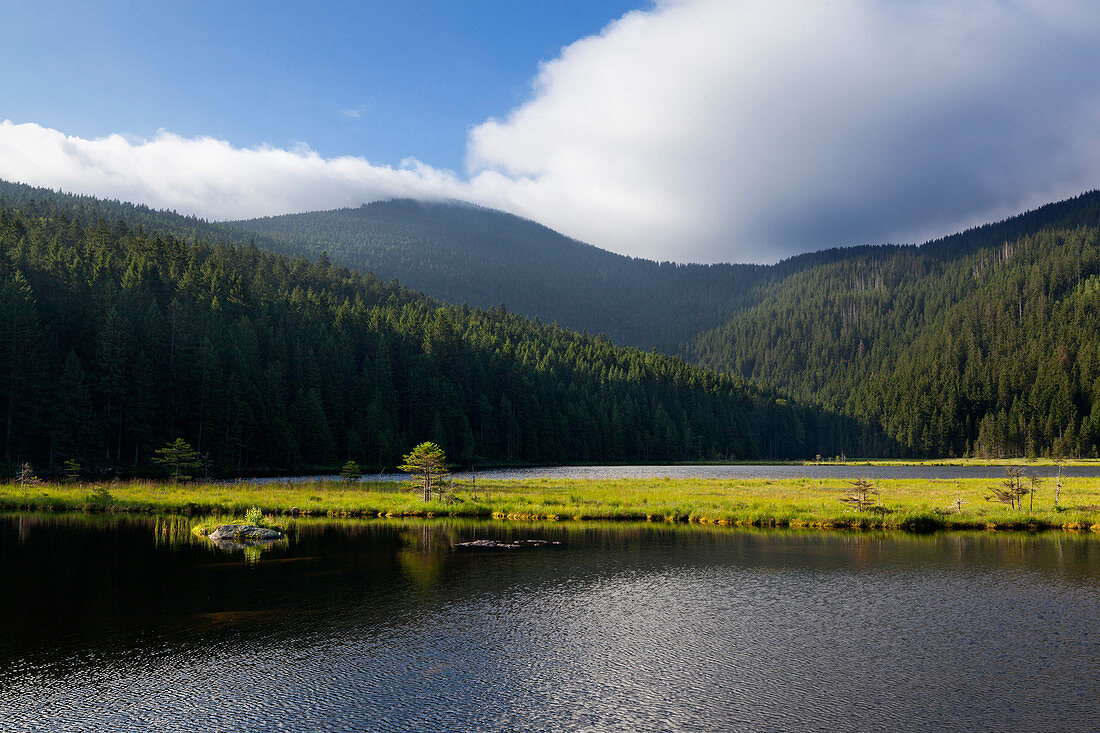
117 339
981 344
468 254
126 327
986 344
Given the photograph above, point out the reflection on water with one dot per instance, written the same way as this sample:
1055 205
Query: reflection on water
132 623
424 551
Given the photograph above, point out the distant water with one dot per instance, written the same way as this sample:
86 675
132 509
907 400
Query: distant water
132 624
943 473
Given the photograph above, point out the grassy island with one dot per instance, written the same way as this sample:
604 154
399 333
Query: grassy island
910 504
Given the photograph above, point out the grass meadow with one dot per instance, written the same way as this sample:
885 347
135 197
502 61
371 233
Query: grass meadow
908 504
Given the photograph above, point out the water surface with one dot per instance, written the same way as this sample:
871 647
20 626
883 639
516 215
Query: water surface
130 624
742 471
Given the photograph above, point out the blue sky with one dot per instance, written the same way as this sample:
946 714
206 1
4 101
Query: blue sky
381 80
686 130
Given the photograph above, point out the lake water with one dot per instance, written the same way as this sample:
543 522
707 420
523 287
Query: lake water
131 624
824 471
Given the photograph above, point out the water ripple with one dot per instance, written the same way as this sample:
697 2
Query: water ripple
656 631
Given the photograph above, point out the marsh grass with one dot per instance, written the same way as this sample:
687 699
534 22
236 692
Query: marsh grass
207 524
921 504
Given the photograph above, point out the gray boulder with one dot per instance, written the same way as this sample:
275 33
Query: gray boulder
498 545
245 533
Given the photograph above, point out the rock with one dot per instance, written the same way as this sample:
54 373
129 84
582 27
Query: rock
245 533
514 545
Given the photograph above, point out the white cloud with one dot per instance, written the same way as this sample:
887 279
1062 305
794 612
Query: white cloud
721 129
209 177
706 130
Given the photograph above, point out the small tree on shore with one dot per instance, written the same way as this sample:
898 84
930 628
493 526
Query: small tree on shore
351 472
1035 483
1012 490
1058 483
26 478
428 466
862 495
179 458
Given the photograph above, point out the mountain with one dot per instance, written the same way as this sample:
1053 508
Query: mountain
462 253
916 339
118 337
981 343
984 343
85 210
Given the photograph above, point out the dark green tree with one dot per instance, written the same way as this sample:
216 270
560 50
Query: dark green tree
73 417
19 357
351 472
179 458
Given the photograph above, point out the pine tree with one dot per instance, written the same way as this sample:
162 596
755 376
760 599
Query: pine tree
19 329
862 495
72 415
428 465
351 472
179 458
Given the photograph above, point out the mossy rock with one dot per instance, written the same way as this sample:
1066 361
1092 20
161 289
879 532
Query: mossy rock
245 533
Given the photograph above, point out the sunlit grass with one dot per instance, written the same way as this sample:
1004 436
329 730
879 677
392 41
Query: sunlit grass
911 503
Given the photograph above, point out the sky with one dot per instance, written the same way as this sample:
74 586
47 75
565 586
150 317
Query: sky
686 130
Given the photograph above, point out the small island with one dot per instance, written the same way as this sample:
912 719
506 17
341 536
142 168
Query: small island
245 533
529 544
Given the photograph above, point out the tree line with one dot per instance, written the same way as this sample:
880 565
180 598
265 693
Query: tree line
116 340
983 343
991 351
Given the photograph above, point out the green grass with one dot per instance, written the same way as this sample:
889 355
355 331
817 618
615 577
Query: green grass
919 504
209 523
1094 462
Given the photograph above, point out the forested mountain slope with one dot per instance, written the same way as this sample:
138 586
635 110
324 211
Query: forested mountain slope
918 339
980 343
87 210
115 339
985 343
467 254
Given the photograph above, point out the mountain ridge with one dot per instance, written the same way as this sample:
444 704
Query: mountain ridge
119 337
860 331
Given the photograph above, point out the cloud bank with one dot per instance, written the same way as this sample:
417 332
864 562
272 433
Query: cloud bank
705 130
209 177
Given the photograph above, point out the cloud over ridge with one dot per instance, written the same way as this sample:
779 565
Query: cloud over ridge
705 130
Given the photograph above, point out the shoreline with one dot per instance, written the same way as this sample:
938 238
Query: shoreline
913 505
460 468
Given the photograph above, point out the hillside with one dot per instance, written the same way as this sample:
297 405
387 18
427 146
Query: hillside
86 210
116 338
985 343
980 343
467 254
917 339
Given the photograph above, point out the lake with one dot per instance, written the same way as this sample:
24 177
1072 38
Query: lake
742 471
129 623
